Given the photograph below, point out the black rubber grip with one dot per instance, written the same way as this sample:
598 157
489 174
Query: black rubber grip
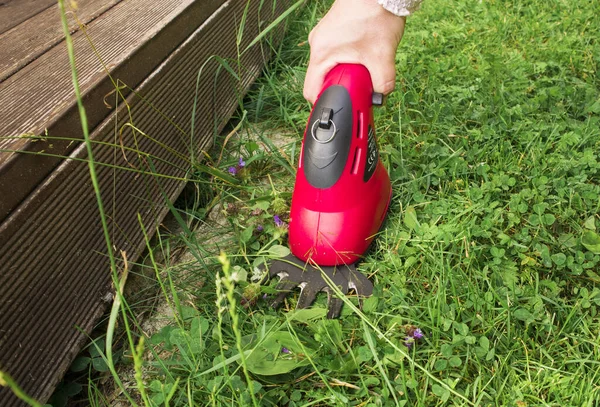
327 145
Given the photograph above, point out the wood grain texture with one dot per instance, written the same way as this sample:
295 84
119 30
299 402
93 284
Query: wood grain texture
130 41
55 273
14 12
31 38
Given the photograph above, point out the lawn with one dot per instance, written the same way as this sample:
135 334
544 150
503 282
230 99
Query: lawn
491 247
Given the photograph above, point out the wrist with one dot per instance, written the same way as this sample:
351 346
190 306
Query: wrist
373 11
400 8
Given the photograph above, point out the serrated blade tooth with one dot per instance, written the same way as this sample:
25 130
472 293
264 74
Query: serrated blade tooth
307 297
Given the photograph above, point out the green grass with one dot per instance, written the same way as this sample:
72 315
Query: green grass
491 245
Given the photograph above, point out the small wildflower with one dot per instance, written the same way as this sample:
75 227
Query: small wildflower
232 170
260 228
257 275
241 163
250 295
285 350
413 334
278 222
265 296
417 333
232 209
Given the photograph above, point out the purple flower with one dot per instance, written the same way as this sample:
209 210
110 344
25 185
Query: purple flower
409 341
241 163
259 228
265 296
232 170
285 350
278 222
417 333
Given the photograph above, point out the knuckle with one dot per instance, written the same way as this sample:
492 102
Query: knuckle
388 87
311 37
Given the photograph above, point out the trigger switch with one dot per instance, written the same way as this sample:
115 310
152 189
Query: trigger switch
325 119
377 99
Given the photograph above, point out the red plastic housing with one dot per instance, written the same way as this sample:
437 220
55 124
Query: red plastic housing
336 225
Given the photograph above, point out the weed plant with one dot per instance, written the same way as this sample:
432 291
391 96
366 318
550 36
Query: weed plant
486 273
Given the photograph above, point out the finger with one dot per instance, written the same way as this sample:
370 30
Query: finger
315 75
383 75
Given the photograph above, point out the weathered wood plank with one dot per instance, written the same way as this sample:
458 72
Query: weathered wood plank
54 271
31 38
14 12
132 38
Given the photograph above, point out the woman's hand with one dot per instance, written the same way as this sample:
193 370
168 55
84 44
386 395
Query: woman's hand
354 31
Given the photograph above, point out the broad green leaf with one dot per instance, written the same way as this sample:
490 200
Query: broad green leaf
441 392
99 364
591 241
567 240
246 234
440 364
455 361
496 252
307 315
393 358
218 364
462 329
410 261
540 208
296 395
370 304
524 315
559 259
480 352
410 219
590 223
470 339
239 274
594 107
81 363
237 383
97 347
278 251
484 342
256 386
178 337
364 354
72 388
446 350
199 326
262 205
549 219
267 358
188 312
370 381
593 276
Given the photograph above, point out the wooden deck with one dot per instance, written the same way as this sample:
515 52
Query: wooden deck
54 274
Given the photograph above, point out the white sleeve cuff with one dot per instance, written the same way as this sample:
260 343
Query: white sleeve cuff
400 7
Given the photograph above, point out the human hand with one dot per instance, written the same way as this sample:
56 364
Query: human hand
359 32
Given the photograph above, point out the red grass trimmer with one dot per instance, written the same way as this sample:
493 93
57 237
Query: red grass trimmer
341 194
